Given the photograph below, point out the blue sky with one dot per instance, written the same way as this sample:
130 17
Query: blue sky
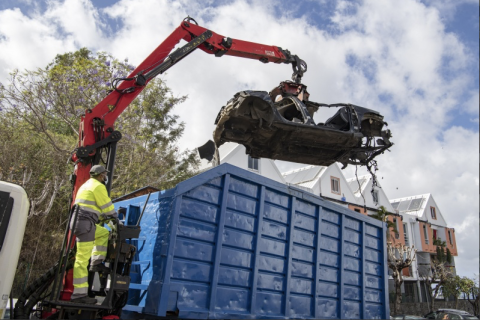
414 61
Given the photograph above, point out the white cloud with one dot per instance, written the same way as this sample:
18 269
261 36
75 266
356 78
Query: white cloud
77 20
448 8
472 104
402 52
30 44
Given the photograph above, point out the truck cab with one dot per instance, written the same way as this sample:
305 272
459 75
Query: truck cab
14 207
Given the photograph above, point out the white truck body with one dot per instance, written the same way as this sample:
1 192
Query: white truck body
14 206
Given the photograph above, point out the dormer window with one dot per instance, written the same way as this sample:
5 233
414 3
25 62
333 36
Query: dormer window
433 213
252 163
335 184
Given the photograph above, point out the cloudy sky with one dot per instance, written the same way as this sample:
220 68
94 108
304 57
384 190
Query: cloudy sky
416 62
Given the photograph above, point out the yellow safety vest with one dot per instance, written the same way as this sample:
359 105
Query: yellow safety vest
92 197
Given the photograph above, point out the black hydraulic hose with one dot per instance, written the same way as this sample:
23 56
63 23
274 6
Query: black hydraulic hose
65 251
36 297
19 310
34 291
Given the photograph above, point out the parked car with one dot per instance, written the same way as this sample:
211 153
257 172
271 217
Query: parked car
450 314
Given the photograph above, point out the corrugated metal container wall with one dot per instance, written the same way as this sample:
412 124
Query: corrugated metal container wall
232 244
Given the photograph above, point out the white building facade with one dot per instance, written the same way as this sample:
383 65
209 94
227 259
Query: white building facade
418 219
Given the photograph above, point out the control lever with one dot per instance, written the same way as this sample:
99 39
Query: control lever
144 206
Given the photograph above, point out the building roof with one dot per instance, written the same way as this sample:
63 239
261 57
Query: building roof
414 205
225 149
303 175
274 166
353 184
309 184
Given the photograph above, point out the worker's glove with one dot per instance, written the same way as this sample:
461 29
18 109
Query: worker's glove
112 225
115 220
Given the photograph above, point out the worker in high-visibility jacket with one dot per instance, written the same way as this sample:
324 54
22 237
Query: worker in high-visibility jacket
92 239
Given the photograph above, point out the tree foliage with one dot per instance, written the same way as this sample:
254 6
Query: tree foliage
443 253
39 122
455 286
471 290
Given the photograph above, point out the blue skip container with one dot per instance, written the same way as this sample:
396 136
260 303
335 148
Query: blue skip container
229 243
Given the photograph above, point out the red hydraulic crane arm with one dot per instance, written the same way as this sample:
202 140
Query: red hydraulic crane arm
220 45
97 125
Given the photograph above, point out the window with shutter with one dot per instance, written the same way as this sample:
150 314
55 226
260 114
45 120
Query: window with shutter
335 184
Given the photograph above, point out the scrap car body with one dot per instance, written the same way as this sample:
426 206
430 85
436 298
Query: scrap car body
279 125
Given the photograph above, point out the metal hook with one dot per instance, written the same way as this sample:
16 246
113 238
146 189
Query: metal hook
190 19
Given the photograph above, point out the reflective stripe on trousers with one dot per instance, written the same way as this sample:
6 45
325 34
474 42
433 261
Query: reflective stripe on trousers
96 250
99 251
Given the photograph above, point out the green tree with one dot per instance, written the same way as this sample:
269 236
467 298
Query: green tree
40 113
471 290
454 286
443 253
449 256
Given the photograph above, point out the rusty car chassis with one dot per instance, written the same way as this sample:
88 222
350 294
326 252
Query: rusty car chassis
279 125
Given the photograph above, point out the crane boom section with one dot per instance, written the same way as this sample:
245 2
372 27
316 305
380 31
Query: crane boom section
98 123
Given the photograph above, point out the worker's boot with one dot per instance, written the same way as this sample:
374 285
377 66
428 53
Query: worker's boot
100 268
85 299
